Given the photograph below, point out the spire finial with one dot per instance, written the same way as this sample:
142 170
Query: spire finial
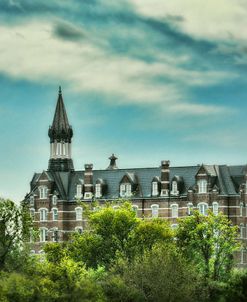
60 90
112 165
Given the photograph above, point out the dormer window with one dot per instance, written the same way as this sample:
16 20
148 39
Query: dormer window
43 192
155 191
98 190
202 186
125 190
78 191
174 190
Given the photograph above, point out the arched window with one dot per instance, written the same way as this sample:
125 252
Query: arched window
55 214
78 191
125 190
98 190
241 230
43 234
43 214
189 208
174 190
135 209
174 208
155 210
43 192
215 208
78 213
202 186
54 200
155 191
203 208
79 229
241 205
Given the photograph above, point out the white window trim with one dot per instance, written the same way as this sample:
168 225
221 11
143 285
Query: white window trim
43 229
54 200
53 230
155 207
78 191
40 216
190 208
52 210
241 206
125 190
155 188
241 226
174 190
43 192
204 204
174 210
78 213
98 190
215 212
202 186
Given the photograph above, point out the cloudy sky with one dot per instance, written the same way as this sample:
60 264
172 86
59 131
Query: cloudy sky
146 79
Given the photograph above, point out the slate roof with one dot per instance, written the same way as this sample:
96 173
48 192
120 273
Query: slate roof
226 178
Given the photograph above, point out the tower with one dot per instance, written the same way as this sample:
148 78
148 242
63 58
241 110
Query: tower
60 134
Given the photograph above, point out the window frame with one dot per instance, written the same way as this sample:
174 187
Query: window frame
205 204
202 186
174 190
125 189
53 215
98 190
78 213
174 207
155 210
215 212
43 192
41 210
155 188
43 229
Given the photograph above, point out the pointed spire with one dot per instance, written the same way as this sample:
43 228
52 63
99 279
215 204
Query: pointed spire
113 165
60 129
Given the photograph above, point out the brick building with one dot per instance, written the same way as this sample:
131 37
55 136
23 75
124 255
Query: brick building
164 191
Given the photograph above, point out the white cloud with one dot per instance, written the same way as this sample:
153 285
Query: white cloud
219 19
30 51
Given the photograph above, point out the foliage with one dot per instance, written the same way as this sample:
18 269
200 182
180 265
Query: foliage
15 224
209 242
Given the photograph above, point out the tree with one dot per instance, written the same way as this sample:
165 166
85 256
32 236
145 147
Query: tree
209 242
15 224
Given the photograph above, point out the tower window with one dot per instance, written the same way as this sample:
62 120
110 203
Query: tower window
55 214
43 214
155 210
174 208
203 208
125 190
78 191
202 186
43 234
54 200
43 192
78 213
215 208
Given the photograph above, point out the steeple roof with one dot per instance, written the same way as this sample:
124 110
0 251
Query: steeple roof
60 129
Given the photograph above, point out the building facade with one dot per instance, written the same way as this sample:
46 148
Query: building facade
164 191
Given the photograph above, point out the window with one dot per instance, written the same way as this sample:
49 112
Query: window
174 226
155 188
43 192
55 214
78 191
203 208
155 210
174 208
241 209
98 190
242 256
135 209
79 229
78 213
43 214
241 230
54 200
174 188
43 234
190 208
31 200
32 213
125 190
215 208
55 235
202 186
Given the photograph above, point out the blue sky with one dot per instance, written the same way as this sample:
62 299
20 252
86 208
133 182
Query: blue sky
147 80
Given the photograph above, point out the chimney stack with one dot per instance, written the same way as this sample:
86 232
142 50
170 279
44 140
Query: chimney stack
165 175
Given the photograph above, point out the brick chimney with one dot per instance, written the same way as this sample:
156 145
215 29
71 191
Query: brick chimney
165 173
88 181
